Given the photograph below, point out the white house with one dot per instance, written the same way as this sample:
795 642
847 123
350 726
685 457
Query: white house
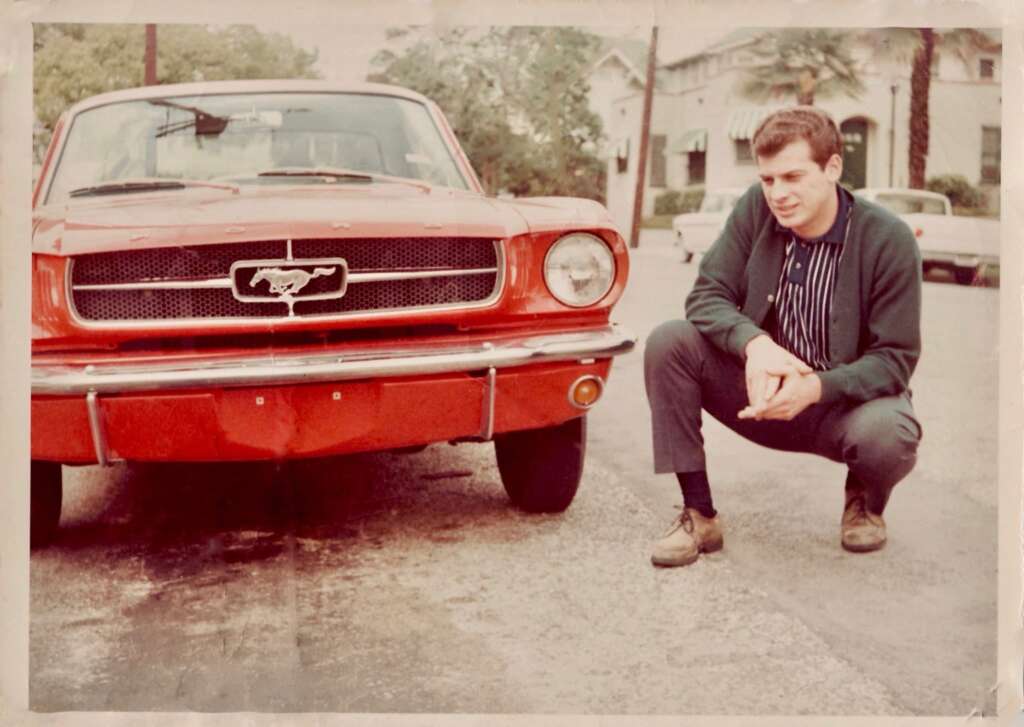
701 125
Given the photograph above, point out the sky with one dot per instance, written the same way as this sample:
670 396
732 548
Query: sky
345 49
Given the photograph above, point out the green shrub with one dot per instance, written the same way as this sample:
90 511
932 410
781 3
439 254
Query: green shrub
692 197
668 202
676 202
959 191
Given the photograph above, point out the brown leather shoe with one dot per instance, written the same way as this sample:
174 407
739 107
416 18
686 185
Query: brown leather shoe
689 535
862 530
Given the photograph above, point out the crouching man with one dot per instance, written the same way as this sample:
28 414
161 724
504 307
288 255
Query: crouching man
801 333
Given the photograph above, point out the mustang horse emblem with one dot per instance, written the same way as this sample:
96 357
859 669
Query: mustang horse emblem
287 283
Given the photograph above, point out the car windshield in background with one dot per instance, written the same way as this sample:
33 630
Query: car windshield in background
241 137
905 204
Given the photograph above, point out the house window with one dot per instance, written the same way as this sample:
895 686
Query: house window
658 159
695 161
987 68
744 155
991 147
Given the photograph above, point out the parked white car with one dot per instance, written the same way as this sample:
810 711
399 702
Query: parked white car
961 245
696 231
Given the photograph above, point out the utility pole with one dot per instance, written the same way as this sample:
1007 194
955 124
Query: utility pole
893 87
645 132
150 54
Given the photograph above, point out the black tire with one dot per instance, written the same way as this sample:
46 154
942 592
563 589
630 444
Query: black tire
965 276
541 468
47 494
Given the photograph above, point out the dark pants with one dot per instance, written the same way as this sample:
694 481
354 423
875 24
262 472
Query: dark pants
685 373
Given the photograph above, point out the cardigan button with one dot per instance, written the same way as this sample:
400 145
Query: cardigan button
771 298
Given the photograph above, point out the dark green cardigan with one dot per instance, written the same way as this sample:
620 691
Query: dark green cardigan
875 326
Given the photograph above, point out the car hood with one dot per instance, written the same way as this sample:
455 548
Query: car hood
199 216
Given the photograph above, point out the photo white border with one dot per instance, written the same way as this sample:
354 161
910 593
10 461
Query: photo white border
16 165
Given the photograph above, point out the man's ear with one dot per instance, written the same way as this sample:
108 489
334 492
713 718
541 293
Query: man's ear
834 168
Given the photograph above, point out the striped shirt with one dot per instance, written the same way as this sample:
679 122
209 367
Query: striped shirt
803 300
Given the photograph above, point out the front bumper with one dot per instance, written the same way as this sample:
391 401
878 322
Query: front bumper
302 405
262 370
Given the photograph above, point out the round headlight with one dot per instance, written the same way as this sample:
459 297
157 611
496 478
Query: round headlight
579 269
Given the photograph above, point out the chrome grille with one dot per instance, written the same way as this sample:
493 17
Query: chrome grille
169 263
149 305
193 282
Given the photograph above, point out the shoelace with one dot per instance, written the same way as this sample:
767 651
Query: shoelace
857 510
684 521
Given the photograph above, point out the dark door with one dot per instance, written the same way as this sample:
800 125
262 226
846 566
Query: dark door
695 167
855 153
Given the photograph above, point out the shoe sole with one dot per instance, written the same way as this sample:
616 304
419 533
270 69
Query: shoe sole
672 562
853 548
709 547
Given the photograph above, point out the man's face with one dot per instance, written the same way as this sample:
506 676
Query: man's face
799 192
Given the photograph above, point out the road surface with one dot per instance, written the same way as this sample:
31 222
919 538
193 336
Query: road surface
407 583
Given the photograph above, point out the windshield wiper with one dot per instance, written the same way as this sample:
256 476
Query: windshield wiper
339 173
332 172
146 184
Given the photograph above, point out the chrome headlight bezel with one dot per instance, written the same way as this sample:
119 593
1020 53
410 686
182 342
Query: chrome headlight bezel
604 261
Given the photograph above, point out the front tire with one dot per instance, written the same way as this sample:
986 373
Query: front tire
47 494
541 468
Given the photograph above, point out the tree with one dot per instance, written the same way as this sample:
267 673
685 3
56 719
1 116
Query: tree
516 98
807 63
918 47
75 61
920 130
436 68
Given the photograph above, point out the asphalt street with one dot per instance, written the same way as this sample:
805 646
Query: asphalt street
407 583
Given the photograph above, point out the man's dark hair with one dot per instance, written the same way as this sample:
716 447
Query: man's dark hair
798 122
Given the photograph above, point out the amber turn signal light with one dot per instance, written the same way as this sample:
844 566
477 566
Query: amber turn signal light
585 391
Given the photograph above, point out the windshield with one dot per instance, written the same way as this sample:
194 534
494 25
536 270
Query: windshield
239 136
904 204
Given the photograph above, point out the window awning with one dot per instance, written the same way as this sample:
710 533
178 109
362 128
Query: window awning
743 122
692 140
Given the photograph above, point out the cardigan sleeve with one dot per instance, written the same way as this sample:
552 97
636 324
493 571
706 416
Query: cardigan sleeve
716 299
893 344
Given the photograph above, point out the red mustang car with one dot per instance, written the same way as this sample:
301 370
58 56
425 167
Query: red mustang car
269 270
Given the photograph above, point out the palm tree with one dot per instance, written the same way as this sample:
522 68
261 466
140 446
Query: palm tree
920 130
918 46
807 63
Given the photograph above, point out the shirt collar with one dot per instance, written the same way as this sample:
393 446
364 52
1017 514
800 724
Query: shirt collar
836 233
